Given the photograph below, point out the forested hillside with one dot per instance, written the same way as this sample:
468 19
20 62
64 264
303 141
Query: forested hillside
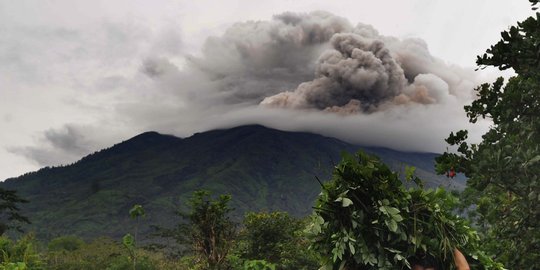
261 168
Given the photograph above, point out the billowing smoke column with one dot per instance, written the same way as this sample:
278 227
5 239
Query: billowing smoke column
362 71
257 59
319 61
358 70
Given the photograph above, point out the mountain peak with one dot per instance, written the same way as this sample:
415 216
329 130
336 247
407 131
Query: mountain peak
147 139
147 134
243 128
152 136
262 168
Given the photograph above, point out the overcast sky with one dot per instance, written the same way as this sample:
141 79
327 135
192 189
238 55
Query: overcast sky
77 76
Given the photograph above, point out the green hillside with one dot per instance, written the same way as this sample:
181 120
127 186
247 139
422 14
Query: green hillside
262 168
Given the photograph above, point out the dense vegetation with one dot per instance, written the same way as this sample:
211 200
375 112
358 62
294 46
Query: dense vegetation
364 219
207 240
504 169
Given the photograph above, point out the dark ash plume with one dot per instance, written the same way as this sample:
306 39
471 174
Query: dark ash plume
355 69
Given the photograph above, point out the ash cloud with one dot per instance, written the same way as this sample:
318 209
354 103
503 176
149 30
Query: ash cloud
363 72
255 59
356 70
319 61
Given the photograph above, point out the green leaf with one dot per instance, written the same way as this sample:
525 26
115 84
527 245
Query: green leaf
392 225
409 172
136 211
351 248
346 202
534 160
129 241
392 210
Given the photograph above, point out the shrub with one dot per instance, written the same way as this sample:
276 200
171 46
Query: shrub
366 219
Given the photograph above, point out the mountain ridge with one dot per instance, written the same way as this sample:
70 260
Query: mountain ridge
263 169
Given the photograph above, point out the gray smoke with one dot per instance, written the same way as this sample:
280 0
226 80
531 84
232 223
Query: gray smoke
317 61
357 69
363 72
253 60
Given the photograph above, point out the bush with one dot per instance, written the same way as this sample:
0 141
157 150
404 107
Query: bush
258 265
66 243
22 254
366 219
276 238
124 263
98 254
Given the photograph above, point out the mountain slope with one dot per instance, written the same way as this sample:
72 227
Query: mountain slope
261 168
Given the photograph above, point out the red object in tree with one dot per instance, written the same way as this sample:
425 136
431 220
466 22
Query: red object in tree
451 173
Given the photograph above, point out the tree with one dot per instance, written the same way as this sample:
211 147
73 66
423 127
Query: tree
209 231
129 241
9 211
277 238
504 169
366 219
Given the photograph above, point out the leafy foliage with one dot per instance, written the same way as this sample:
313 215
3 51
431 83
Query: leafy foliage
14 266
365 219
129 241
136 211
209 230
102 253
503 170
21 254
258 265
97 254
276 238
65 243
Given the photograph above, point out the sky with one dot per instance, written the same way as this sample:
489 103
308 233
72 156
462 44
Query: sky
79 76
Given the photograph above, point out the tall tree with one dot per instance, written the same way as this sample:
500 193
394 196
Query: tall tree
504 169
10 217
209 231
